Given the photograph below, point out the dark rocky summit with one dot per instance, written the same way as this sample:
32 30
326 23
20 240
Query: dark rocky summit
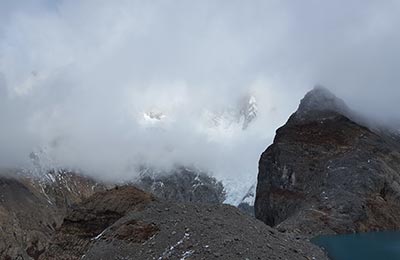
126 223
328 173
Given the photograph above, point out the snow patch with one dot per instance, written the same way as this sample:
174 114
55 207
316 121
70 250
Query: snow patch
168 251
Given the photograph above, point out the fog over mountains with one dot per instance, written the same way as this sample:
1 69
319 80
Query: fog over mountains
107 86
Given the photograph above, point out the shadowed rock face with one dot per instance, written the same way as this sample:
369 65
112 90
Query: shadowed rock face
324 173
32 209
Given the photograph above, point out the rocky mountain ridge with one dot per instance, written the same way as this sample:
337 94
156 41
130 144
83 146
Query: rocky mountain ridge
182 184
327 173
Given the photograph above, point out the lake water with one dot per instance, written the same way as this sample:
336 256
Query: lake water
363 246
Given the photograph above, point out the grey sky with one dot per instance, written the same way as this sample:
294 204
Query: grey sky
81 74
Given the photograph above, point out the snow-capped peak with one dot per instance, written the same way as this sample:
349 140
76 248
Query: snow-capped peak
152 118
152 115
249 112
241 115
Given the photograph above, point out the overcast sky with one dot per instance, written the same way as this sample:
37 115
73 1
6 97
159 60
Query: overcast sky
77 76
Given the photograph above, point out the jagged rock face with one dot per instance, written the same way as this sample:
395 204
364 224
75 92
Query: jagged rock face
324 173
31 209
126 223
182 185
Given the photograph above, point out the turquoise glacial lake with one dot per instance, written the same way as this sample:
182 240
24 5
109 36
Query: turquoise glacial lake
363 246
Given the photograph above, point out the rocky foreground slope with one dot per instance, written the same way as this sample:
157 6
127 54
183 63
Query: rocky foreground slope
126 223
32 209
68 216
326 173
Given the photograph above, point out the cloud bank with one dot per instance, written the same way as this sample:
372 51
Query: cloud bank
80 77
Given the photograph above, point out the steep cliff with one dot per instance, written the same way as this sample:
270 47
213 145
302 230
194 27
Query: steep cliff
326 172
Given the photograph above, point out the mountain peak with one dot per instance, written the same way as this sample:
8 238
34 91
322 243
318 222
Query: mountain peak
320 102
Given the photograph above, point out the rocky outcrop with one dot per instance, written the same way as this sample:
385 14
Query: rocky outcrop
126 223
181 185
327 173
31 209
86 222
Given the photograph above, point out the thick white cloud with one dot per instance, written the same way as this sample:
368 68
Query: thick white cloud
78 76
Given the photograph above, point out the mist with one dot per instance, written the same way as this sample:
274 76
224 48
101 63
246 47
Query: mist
79 79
